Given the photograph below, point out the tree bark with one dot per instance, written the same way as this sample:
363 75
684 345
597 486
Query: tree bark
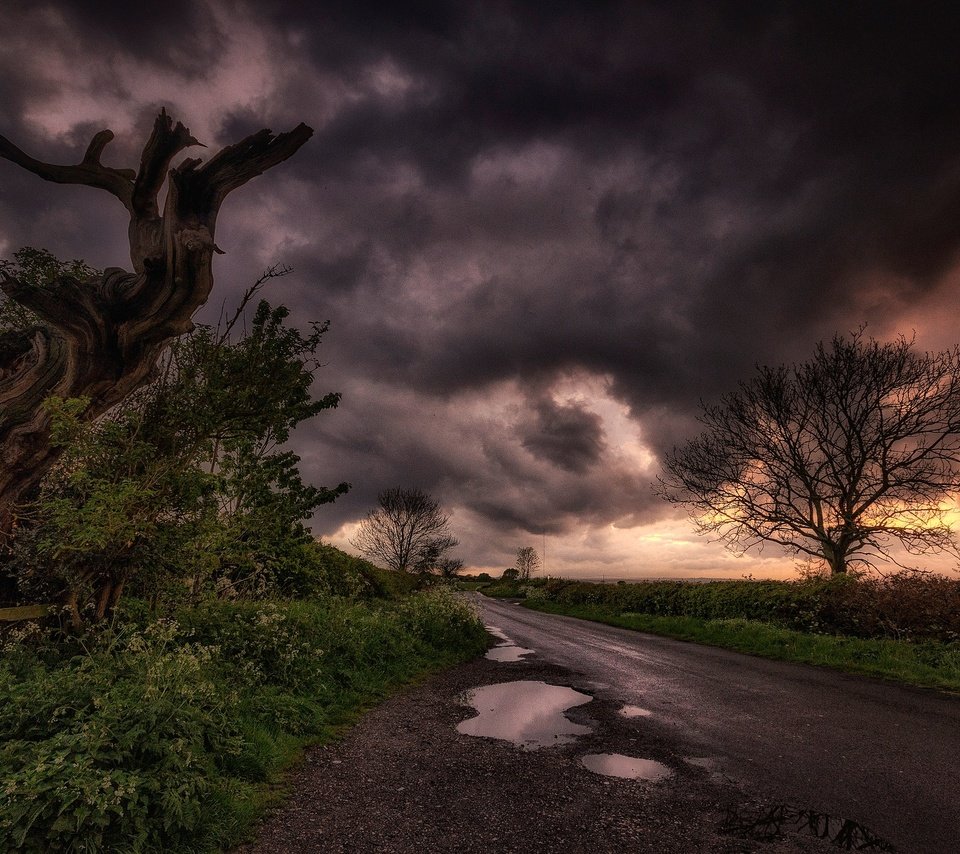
101 339
104 595
835 557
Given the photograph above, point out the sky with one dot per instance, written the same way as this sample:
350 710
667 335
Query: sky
542 233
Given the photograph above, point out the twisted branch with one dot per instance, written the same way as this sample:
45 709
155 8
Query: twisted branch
101 339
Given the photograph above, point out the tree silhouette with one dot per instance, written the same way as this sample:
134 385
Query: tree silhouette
406 531
528 562
836 458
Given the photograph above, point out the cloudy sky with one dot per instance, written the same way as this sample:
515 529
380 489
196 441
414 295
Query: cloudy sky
542 232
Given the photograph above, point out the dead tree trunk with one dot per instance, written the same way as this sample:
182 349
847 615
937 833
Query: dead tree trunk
101 339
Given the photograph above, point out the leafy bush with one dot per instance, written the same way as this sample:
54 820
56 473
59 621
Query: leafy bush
505 590
152 736
115 749
322 569
439 620
186 483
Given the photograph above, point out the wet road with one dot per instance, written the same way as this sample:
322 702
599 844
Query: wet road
883 755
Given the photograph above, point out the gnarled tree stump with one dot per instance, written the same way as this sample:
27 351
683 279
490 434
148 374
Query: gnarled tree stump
101 339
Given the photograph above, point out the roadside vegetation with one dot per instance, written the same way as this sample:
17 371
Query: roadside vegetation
904 626
189 637
170 733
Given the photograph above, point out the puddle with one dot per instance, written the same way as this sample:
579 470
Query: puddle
629 767
708 763
770 822
507 652
498 633
527 713
635 712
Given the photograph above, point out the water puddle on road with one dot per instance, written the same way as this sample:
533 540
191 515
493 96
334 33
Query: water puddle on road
634 712
528 714
498 633
628 767
768 823
507 652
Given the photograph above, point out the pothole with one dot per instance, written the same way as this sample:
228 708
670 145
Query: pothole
498 633
507 652
526 713
635 712
770 822
628 767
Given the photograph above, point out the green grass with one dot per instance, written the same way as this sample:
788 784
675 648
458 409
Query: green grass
930 664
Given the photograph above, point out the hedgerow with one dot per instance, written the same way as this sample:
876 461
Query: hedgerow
903 605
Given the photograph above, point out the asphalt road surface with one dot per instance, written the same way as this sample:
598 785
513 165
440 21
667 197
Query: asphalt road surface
883 755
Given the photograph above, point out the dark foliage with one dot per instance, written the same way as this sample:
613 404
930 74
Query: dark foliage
906 605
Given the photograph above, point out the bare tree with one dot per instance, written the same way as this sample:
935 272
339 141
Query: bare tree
407 531
528 562
449 567
836 458
100 338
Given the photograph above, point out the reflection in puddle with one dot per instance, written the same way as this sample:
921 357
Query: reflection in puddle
529 714
768 823
630 767
507 652
635 712
498 633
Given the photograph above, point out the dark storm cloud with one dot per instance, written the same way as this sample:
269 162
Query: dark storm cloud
176 32
569 436
501 196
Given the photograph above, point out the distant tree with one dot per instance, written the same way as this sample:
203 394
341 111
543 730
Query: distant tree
433 556
528 562
836 458
483 576
450 567
510 574
407 531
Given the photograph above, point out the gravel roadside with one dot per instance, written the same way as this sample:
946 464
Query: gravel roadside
403 780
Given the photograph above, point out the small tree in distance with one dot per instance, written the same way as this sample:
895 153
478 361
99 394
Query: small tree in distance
528 562
835 458
407 531
449 567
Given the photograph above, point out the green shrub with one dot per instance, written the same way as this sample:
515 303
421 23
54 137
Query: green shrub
116 749
330 570
153 735
504 590
441 621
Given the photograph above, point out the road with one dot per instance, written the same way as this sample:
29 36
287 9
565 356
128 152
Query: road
883 755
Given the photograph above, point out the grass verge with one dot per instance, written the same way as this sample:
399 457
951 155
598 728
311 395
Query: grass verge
929 664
